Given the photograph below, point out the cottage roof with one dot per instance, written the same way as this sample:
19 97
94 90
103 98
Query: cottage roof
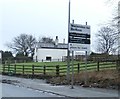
52 45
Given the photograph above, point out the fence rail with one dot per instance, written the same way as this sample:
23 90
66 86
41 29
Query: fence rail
57 70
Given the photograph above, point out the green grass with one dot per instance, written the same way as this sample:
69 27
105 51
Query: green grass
46 63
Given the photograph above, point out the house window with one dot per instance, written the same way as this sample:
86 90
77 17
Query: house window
48 58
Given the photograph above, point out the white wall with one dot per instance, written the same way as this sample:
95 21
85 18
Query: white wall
0 56
55 54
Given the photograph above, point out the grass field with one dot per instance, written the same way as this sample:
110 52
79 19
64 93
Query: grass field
46 63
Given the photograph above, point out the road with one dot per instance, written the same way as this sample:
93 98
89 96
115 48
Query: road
16 91
48 90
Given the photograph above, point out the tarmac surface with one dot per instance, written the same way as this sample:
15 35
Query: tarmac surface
9 90
55 91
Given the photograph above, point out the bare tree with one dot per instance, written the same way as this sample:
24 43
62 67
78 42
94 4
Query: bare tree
114 4
46 40
23 43
106 40
31 41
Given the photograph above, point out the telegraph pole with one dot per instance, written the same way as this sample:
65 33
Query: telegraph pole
68 52
118 64
118 30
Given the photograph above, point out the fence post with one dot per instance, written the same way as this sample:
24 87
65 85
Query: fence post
3 68
32 70
78 67
57 70
15 68
23 70
44 70
8 69
98 66
117 64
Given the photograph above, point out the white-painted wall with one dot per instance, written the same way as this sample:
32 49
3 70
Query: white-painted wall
0 55
55 54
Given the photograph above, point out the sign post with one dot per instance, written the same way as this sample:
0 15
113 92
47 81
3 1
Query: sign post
79 40
85 67
72 81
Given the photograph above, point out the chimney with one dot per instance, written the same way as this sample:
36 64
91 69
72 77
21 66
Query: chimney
63 41
73 21
56 41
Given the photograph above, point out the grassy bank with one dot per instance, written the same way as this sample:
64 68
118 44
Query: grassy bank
101 79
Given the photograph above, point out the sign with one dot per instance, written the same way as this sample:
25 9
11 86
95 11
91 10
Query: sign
77 28
79 47
79 37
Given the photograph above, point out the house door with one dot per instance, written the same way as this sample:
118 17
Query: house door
48 58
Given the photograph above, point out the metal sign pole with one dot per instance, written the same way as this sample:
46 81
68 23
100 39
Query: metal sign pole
72 80
68 52
85 67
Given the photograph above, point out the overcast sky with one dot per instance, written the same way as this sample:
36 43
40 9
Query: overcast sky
49 18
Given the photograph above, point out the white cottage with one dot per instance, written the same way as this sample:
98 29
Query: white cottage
50 51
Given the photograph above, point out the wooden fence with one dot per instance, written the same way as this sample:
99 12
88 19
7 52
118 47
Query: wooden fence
13 69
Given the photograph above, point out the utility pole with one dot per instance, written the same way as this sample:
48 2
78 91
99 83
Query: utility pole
118 64
118 30
118 47
68 52
119 37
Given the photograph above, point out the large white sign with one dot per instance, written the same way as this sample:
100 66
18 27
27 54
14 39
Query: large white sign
79 37
77 28
79 47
